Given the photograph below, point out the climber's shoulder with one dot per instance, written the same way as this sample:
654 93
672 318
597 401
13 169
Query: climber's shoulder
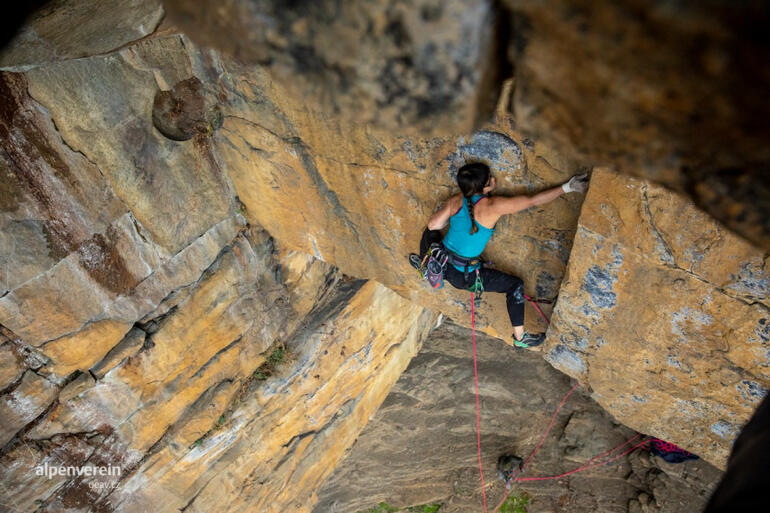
455 203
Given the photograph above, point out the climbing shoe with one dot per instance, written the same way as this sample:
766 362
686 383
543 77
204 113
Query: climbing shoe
529 339
415 260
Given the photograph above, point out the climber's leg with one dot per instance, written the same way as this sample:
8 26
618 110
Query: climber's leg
429 237
457 278
513 287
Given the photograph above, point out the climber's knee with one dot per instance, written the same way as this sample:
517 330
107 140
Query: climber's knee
518 293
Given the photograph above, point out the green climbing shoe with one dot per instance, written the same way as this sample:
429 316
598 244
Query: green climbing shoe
529 340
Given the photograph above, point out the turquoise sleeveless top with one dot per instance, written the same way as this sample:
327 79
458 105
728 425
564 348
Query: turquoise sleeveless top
459 240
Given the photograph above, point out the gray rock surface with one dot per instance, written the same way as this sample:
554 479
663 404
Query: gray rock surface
421 445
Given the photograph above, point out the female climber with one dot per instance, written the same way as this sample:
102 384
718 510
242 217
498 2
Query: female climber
472 214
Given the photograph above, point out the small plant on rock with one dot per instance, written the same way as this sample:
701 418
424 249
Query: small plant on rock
275 358
516 502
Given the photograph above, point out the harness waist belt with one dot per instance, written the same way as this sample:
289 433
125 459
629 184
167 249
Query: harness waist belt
456 259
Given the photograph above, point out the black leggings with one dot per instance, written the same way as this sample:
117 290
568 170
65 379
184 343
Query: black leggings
493 280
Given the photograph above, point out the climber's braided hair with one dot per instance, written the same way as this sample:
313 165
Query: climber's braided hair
472 178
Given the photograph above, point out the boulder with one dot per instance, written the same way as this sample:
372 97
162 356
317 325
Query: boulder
663 313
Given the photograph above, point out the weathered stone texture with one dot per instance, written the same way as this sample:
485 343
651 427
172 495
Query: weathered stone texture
669 91
181 403
420 67
664 315
24 403
175 191
675 92
139 297
420 447
286 436
352 177
77 28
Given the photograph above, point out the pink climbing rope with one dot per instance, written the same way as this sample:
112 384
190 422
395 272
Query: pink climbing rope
553 419
591 463
534 303
585 467
478 409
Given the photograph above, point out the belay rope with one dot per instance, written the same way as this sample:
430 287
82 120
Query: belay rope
478 409
596 461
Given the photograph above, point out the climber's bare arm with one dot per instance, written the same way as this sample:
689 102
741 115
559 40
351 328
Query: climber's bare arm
440 219
502 205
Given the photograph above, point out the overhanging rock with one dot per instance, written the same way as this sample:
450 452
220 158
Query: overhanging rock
665 315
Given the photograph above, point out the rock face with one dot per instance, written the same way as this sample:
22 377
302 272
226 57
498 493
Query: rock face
365 214
668 326
420 447
667 91
143 315
173 222
400 66
77 28
189 399
662 90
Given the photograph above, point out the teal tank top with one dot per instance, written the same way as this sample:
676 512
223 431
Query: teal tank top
459 240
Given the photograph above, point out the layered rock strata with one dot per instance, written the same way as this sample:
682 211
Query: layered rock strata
664 314
139 303
420 447
365 194
182 405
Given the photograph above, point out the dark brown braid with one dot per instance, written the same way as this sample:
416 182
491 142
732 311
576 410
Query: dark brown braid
474 228
472 178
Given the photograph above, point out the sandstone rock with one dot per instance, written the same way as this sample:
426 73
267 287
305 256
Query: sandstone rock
664 91
130 344
287 434
77 28
220 319
664 315
24 403
24 485
10 367
276 149
185 392
83 349
174 190
53 199
113 226
365 215
80 384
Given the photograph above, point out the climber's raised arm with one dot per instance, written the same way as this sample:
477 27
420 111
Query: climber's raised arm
440 219
502 205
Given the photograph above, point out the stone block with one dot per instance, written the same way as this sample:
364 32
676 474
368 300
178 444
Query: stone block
663 313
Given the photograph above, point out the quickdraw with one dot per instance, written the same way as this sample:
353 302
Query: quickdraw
477 288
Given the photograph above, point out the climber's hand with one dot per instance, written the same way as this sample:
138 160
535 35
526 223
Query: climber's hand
578 183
